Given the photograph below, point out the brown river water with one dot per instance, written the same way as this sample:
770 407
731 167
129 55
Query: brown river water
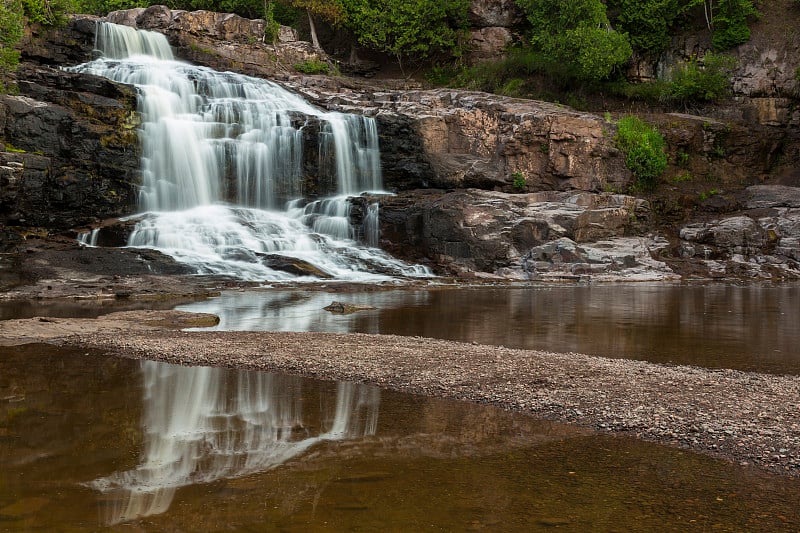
93 443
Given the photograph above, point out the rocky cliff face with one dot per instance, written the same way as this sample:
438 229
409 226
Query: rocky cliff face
492 28
71 150
450 138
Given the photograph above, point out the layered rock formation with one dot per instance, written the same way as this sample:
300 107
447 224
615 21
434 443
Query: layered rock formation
492 24
71 150
546 235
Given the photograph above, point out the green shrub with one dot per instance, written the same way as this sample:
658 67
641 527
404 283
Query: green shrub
644 149
513 87
519 182
11 25
313 66
703 82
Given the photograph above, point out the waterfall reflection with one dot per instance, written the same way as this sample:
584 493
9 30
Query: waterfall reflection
202 424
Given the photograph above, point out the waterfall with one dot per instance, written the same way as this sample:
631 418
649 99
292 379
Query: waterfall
203 424
222 169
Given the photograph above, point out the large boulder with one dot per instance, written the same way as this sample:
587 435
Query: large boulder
493 232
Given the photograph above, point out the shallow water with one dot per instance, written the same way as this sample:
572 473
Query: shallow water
724 326
68 421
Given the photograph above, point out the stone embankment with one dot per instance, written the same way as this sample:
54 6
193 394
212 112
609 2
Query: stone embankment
744 417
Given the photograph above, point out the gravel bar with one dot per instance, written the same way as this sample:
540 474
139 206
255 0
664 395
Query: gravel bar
745 417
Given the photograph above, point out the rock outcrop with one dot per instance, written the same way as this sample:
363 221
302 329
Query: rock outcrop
487 185
524 236
455 139
223 41
491 28
71 150
762 241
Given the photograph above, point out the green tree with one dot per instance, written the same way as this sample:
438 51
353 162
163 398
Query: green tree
409 28
648 23
11 24
578 34
727 20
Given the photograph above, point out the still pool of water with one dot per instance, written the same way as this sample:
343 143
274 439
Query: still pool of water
724 326
92 443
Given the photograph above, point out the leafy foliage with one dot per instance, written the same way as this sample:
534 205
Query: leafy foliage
48 12
313 66
409 28
730 23
519 182
10 34
578 34
330 10
648 23
727 20
702 82
644 149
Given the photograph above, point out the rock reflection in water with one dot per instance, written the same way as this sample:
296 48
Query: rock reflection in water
203 424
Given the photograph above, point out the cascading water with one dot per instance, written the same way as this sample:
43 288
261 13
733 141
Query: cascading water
209 136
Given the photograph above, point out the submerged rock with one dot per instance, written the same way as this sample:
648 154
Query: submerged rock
342 308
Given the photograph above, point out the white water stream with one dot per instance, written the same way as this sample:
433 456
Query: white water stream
222 169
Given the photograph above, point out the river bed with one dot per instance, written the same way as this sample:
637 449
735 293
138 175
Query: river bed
81 433
93 443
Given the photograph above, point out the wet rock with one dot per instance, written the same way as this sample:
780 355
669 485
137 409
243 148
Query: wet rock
518 236
293 265
343 308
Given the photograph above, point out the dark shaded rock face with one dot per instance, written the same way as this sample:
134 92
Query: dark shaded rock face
72 152
69 44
